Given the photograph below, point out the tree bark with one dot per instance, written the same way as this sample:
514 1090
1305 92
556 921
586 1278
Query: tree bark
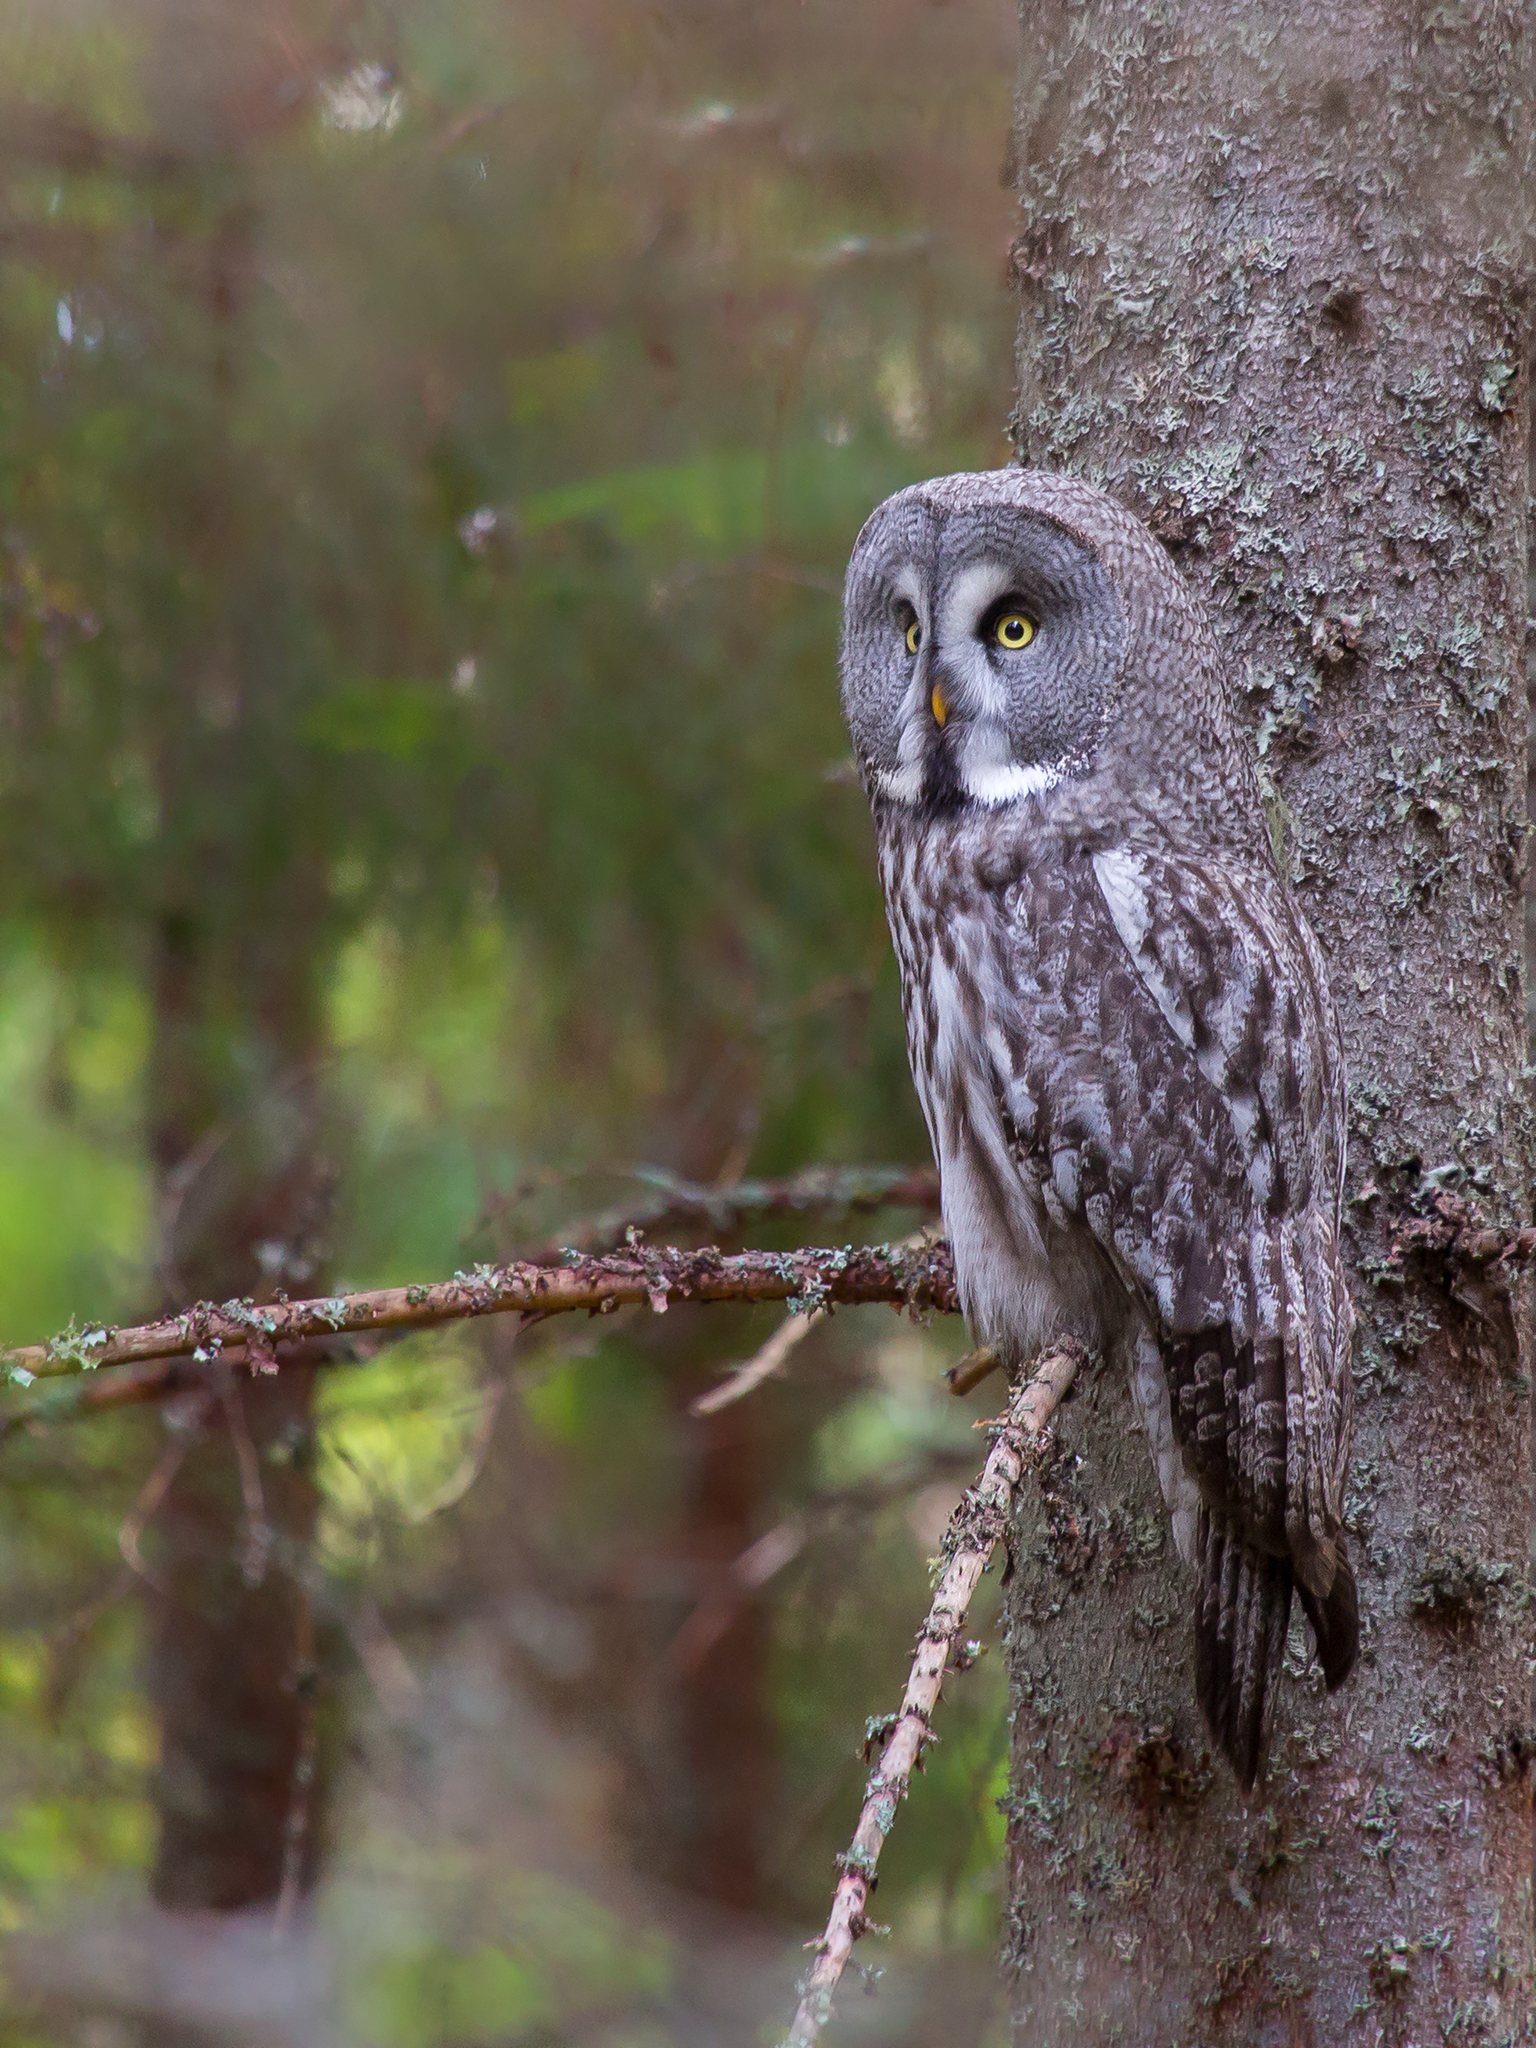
1272 266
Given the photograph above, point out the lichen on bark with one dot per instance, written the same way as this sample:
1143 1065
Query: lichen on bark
1272 265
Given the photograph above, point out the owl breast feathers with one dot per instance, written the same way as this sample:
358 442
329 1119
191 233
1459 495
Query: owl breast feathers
1119 1025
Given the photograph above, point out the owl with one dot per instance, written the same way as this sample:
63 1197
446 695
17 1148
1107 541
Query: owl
1119 1026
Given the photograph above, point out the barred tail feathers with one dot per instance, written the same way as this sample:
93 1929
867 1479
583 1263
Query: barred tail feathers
1241 1620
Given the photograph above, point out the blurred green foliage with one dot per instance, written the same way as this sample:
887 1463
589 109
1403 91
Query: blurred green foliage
430 439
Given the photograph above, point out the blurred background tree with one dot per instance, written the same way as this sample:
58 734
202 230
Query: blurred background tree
430 439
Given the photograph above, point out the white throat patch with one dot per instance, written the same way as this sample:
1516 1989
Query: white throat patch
989 783
1002 782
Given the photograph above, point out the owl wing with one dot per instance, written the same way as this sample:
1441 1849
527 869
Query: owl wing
1177 1083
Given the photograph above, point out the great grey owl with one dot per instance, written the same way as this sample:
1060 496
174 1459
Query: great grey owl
1119 1025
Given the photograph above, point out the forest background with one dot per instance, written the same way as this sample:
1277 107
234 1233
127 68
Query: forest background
430 439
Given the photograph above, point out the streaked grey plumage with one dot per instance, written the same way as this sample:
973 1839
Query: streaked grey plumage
1119 1025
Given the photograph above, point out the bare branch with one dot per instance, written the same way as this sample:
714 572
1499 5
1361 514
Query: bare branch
296 1823
674 1203
257 1539
87 1392
52 138
472 1464
157 1486
384 1663
749 1573
768 1361
968 1373
762 1561
764 1364
458 131
974 1530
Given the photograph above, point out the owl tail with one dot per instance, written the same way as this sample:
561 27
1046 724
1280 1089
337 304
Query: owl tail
1243 1613
1240 1627
1335 1622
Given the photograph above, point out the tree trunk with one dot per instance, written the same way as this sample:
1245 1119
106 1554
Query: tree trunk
704 1726
234 1134
233 1670
1272 274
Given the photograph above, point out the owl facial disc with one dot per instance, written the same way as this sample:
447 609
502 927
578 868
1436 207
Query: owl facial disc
981 643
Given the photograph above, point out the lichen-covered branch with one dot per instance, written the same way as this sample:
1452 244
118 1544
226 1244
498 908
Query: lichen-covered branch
160 1355
975 1528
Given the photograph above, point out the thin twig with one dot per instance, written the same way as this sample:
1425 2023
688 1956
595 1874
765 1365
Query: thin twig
975 1528
472 1463
674 1203
764 1364
767 1362
384 1663
762 1561
156 1487
968 1373
65 1642
459 130
256 1541
748 1573
306 1682
921 1279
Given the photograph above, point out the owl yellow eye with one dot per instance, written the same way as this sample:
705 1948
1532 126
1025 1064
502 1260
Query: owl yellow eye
1014 630
914 637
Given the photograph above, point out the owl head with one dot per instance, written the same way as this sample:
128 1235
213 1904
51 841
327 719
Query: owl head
1009 632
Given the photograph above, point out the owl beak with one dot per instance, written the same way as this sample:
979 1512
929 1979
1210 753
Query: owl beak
939 704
